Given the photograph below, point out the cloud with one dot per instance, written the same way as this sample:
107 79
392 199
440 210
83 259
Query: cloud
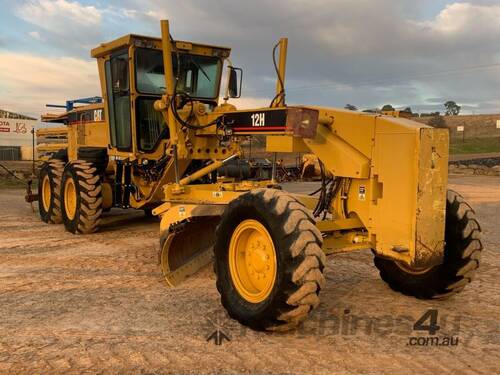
118 14
367 53
30 81
36 35
156 14
67 25
458 19
455 31
59 15
249 102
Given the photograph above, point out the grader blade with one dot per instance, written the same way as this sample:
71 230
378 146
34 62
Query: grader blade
187 242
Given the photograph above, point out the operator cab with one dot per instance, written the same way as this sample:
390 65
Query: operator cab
132 78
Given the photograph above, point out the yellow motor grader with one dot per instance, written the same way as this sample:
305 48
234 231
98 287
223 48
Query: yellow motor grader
161 134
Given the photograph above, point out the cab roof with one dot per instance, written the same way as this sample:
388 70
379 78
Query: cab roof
151 42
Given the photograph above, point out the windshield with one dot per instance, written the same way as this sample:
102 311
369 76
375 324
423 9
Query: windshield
199 75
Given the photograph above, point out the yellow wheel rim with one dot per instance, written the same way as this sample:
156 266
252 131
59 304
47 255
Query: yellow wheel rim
70 198
252 261
46 193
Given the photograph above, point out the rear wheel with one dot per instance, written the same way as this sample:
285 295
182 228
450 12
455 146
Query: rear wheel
81 197
49 186
461 257
268 260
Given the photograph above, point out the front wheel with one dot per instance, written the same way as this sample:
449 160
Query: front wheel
461 257
268 260
81 197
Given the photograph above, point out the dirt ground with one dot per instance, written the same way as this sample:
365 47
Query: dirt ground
98 304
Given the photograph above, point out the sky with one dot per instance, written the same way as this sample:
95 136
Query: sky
366 52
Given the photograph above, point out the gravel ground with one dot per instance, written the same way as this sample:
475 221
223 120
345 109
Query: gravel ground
98 304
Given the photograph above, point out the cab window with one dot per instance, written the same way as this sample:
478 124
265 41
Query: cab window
118 92
198 75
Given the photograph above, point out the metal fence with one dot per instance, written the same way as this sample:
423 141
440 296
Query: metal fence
10 153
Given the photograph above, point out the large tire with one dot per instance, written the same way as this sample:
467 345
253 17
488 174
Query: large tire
299 260
49 188
61 154
81 197
461 257
98 156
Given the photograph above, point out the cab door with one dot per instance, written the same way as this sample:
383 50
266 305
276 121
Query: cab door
118 91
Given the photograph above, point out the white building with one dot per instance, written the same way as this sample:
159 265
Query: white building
16 137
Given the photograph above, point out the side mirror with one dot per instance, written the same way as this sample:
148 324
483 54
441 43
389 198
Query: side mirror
234 82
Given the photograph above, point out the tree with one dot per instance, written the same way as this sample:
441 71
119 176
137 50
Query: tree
437 121
426 114
452 108
387 108
351 107
407 109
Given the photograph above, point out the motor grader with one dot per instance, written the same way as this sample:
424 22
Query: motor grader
160 135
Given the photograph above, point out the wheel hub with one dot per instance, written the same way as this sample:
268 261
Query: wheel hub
70 198
252 261
258 259
46 193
